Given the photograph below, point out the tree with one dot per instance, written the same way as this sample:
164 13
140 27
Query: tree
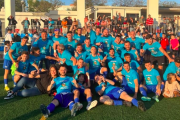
55 4
91 3
18 7
129 3
168 4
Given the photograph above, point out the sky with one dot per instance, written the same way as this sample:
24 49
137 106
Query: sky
68 2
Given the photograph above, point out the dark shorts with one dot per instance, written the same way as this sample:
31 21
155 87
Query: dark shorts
174 52
115 93
7 64
129 90
151 88
93 74
160 60
64 99
82 96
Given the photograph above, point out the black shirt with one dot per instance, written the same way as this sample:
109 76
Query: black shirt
69 21
43 82
17 38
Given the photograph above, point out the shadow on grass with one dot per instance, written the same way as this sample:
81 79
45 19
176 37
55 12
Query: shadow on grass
28 115
5 102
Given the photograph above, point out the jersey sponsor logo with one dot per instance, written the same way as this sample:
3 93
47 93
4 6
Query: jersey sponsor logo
148 78
128 79
63 84
44 47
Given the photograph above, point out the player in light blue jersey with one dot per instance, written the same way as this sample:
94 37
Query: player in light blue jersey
58 38
11 58
174 68
71 43
118 45
132 52
152 83
114 64
79 53
87 46
44 44
157 53
64 96
94 62
79 37
135 41
132 77
112 95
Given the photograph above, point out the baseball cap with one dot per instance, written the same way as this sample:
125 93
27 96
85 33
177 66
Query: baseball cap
177 59
56 30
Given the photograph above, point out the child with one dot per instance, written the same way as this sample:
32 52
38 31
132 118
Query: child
24 64
174 45
83 91
6 47
172 87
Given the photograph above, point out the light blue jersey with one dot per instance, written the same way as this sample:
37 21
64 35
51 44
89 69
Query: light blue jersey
87 49
81 70
83 55
44 46
154 49
151 76
66 55
108 89
134 65
117 48
136 43
24 66
71 46
131 52
63 84
115 62
130 77
94 64
172 68
60 39
17 50
35 60
80 39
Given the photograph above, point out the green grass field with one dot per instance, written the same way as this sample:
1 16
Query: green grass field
28 109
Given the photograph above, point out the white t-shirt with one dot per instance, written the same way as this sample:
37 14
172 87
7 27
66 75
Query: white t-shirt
8 37
5 47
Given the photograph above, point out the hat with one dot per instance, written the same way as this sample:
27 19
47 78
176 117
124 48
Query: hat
56 30
177 59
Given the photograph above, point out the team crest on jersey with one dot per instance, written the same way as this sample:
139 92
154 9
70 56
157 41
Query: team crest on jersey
24 67
128 79
44 47
69 47
114 64
63 84
152 51
106 42
20 51
95 62
148 78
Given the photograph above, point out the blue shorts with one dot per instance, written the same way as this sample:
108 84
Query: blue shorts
129 90
151 88
115 93
64 99
7 64
93 74
82 96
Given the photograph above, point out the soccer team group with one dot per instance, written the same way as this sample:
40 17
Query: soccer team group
98 61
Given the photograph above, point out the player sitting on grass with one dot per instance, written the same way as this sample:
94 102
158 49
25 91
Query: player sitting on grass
83 91
111 95
64 96
23 66
172 87
152 83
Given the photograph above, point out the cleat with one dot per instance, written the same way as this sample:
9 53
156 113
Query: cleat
141 106
143 98
91 104
126 103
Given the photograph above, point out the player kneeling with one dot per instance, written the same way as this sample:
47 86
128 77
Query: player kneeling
83 92
114 95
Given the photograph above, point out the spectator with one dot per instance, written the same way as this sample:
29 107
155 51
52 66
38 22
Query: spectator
0 28
132 24
97 23
109 23
64 27
141 20
174 45
103 25
177 22
164 41
8 36
164 25
75 22
12 22
114 23
16 38
50 25
59 23
37 24
69 23
25 24
149 23
45 23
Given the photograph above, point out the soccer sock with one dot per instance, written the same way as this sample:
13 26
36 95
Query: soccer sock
89 99
118 102
134 102
76 100
162 87
71 105
105 74
6 82
143 92
51 107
